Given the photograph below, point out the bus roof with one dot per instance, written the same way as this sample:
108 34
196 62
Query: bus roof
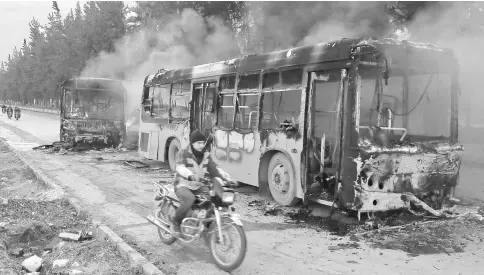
92 83
417 54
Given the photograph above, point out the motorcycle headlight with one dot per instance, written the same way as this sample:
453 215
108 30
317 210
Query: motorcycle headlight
228 197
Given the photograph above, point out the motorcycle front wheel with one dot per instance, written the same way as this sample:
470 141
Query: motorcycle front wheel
220 252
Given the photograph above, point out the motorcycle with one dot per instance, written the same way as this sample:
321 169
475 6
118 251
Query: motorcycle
9 113
210 218
17 114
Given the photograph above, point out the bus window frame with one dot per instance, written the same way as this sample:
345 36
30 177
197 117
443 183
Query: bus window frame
219 107
251 91
182 93
282 88
159 109
218 103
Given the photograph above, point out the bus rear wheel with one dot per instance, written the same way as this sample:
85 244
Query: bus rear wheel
281 180
173 150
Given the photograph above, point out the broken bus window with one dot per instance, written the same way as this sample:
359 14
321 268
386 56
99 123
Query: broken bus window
247 110
280 102
425 112
180 101
225 117
161 101
249 82
227 82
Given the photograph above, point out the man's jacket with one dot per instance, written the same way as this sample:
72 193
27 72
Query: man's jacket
187 165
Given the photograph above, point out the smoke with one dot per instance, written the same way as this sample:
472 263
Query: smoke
188 39
458 26
289 24
185 40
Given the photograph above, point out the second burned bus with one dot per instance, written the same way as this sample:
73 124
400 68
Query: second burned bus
355 122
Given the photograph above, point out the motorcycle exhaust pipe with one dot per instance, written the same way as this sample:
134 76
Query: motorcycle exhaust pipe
158 223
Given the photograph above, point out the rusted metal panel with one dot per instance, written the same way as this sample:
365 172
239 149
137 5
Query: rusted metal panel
427 170
347 177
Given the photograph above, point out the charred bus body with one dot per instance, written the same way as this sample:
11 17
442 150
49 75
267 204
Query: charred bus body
365 124
92 111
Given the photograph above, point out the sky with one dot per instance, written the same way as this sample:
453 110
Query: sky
15 17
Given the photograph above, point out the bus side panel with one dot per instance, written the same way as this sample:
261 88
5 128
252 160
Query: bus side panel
153 147
238 154
167 134
145 139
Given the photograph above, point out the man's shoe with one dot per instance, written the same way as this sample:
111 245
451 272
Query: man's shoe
175 230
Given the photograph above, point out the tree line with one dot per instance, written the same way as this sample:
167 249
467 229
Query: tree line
61 48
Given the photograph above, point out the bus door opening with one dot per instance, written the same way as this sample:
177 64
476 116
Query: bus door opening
324 137
203 107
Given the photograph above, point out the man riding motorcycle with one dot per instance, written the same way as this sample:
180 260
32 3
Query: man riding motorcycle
17 110
9 111
193 163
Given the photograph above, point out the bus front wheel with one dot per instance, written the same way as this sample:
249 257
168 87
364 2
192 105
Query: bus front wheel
281 180
173 150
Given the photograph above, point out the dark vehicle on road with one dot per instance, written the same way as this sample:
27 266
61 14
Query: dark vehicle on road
17 112
9 112
4 109
92 111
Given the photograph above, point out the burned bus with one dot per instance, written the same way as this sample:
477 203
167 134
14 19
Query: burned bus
92 111
363 124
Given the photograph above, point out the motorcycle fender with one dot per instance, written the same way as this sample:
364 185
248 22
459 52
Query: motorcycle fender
236 219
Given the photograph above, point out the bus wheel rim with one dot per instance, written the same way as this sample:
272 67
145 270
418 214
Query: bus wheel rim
280 180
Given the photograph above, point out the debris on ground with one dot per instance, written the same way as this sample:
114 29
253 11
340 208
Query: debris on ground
32 264
62 148
255 203
32 221
136 164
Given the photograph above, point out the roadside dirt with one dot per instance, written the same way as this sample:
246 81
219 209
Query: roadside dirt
32 216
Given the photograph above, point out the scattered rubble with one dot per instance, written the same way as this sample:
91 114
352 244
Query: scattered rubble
63 148
17 252
60 263
136 164
32 264
33 218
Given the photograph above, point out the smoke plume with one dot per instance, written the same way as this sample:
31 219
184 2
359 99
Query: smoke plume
457 26
188 39
289 24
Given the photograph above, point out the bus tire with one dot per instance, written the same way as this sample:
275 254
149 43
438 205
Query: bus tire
281 180
173 150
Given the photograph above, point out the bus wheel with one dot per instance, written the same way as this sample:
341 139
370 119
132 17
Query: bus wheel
281 180
172 153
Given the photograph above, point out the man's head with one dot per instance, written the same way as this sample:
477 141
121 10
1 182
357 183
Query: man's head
197 140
